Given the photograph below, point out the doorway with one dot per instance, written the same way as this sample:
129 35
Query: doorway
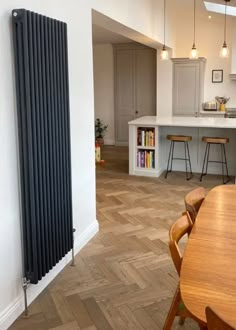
124 78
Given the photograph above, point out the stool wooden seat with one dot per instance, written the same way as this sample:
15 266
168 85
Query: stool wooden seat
215 140
176 139
179 138
221 141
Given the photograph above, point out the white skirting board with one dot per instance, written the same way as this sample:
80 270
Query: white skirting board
11 312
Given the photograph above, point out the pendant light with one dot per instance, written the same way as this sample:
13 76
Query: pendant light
194 52
164 53
225 50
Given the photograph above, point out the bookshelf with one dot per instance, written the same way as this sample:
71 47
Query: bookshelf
143 150
145 147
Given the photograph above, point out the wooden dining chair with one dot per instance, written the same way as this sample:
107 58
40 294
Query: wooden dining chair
193 201
214 322
181 227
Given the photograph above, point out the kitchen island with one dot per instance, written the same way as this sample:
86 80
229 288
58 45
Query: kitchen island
148 147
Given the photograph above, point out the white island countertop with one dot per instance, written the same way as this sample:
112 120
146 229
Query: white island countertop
185 122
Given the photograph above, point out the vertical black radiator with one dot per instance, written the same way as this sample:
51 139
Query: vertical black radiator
42 90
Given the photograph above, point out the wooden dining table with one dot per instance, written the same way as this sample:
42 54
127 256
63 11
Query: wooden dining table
208 271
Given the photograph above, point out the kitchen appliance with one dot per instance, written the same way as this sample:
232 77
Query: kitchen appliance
209 106
230 113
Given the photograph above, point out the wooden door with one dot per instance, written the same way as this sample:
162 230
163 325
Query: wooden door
145 82
135 86
124 91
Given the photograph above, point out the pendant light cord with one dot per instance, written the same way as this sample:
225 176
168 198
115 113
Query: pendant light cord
194 14
164 22
225 22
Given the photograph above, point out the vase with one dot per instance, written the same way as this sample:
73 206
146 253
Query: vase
222 107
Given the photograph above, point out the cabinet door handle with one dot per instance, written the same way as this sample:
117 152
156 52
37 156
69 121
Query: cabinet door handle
136 111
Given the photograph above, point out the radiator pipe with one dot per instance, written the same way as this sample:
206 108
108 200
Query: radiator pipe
73 251
25 287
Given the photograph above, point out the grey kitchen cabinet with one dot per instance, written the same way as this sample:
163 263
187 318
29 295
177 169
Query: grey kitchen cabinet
188 86
135 86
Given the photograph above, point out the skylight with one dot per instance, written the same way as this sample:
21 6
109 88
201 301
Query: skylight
218 8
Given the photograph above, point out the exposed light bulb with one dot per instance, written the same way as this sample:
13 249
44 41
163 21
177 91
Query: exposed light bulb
224 52
193 53
164 54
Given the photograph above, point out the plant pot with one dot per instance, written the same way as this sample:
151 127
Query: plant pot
100 141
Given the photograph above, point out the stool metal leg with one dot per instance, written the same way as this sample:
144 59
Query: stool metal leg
172 156
222 163
208 152
186 164
170 153
226 165
204 161
189 160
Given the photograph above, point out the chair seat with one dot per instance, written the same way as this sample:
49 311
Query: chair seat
218 140
179 138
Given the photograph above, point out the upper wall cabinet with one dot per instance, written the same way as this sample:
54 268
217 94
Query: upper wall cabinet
188 86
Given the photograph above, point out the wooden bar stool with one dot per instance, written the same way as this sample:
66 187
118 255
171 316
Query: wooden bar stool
184 139
221 142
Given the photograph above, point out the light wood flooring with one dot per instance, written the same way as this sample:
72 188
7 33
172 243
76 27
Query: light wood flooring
124 277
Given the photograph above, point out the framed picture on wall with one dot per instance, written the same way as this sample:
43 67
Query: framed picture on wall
217 76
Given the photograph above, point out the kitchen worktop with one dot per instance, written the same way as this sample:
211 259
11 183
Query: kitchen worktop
185 121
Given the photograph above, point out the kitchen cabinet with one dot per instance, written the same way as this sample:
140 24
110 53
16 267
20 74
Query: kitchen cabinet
188 86
135 86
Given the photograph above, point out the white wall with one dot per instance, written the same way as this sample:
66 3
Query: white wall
233 53
209 40
164 86
136 14
82 139
103 67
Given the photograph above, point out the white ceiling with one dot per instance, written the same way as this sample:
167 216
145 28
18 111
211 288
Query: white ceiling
106 30
103 36
103 26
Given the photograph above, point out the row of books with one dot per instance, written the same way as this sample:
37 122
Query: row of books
146 159
146 137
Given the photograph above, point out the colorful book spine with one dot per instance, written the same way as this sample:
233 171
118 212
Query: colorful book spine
146 159
145 137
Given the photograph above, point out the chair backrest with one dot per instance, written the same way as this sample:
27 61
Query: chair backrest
193 201
214 322
179 228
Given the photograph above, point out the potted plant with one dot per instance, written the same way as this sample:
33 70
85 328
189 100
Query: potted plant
100 131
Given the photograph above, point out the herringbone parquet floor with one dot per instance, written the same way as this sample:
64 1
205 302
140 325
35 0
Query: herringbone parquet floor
124 278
